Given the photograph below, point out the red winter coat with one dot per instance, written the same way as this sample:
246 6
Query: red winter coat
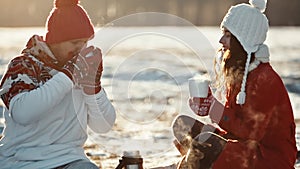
264 126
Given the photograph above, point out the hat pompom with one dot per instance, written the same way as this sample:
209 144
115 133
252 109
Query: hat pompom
259 4
65 3
240 98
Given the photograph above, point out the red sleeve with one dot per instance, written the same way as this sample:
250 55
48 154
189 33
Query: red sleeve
250 121
236 155
19 77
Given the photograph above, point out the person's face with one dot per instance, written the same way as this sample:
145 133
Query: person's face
64 51
225 39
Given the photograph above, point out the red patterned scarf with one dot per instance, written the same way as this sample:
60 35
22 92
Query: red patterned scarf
29 70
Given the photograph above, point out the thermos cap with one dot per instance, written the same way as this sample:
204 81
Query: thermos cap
134 154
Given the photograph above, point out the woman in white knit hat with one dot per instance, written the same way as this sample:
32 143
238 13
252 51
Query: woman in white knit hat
257 114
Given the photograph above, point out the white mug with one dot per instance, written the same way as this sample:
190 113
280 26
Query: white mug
198 87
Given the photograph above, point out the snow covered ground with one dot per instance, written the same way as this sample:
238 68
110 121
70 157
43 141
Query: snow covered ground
146 70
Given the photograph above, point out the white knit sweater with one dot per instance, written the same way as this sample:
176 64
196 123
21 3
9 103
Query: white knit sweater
47 127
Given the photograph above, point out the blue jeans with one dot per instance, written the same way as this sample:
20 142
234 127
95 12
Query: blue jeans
79 164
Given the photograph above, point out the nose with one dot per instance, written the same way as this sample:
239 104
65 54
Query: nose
222 41
80 46
83 46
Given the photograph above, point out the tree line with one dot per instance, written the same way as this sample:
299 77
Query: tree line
198 12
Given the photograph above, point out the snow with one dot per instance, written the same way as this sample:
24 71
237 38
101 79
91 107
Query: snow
146 70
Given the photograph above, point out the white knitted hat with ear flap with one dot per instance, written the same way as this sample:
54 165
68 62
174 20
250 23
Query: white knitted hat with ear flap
249 25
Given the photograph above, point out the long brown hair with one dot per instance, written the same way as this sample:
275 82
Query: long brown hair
233 67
